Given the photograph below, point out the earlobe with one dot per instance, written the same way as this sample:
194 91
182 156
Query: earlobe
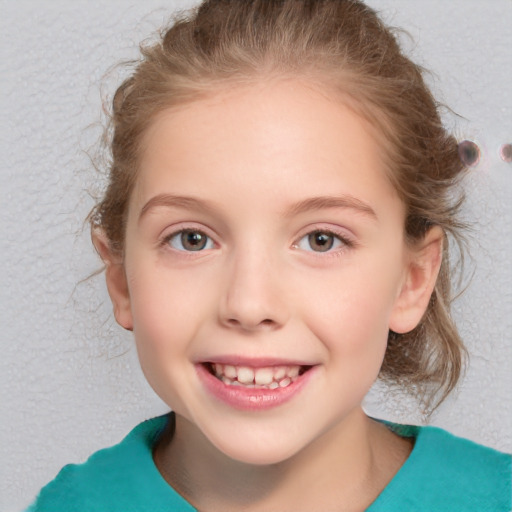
419 282
115 276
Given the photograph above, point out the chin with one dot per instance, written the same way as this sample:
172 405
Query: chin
258 457
258 449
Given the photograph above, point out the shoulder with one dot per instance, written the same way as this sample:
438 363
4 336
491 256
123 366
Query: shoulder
445 472
479 470
122 477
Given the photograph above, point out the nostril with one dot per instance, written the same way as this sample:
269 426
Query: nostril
266 323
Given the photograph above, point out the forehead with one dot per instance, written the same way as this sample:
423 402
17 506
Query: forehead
283 137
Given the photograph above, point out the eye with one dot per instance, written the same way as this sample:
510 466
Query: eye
190 240
320 241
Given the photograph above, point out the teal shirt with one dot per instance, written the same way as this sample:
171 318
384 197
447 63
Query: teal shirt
443 473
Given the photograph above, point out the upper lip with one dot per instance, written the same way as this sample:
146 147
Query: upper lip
254 362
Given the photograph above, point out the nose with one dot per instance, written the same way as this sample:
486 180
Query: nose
254 297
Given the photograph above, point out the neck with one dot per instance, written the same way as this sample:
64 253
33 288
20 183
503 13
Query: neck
338 467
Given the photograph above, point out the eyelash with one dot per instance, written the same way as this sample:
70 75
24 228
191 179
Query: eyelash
166 241
344 241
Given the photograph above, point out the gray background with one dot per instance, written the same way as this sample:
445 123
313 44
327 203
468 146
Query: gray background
70 382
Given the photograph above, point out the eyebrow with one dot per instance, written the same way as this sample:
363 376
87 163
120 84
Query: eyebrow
323 202
172 201
309 204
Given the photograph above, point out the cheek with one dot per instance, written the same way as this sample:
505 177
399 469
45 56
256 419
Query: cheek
169 308
163 311
166 310
351 312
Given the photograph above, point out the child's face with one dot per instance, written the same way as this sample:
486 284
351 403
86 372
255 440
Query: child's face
263 233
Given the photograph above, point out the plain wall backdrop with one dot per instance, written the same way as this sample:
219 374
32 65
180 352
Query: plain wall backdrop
70 380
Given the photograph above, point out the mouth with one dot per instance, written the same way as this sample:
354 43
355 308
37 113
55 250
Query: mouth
266 377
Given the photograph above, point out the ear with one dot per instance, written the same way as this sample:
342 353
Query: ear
115 276
420 278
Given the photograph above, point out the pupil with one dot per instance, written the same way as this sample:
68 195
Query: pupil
193 240
321 242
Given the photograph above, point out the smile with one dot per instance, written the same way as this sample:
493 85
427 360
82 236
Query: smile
254 388
270 377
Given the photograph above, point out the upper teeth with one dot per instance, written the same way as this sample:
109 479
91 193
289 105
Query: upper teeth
270 377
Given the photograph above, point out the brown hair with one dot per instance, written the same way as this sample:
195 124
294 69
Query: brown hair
343 45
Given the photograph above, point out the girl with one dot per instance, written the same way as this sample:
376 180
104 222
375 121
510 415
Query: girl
275 234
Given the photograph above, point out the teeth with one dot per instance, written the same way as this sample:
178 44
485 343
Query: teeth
293 372
230 371
279 372
245 375
285 382
263 376
271 377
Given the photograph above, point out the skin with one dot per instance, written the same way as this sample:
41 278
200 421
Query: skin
248 157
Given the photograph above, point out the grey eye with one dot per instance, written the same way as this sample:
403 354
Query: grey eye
469 153
193 240
190 240
320 241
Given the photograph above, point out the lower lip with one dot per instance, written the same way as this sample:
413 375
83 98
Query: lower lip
251 399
